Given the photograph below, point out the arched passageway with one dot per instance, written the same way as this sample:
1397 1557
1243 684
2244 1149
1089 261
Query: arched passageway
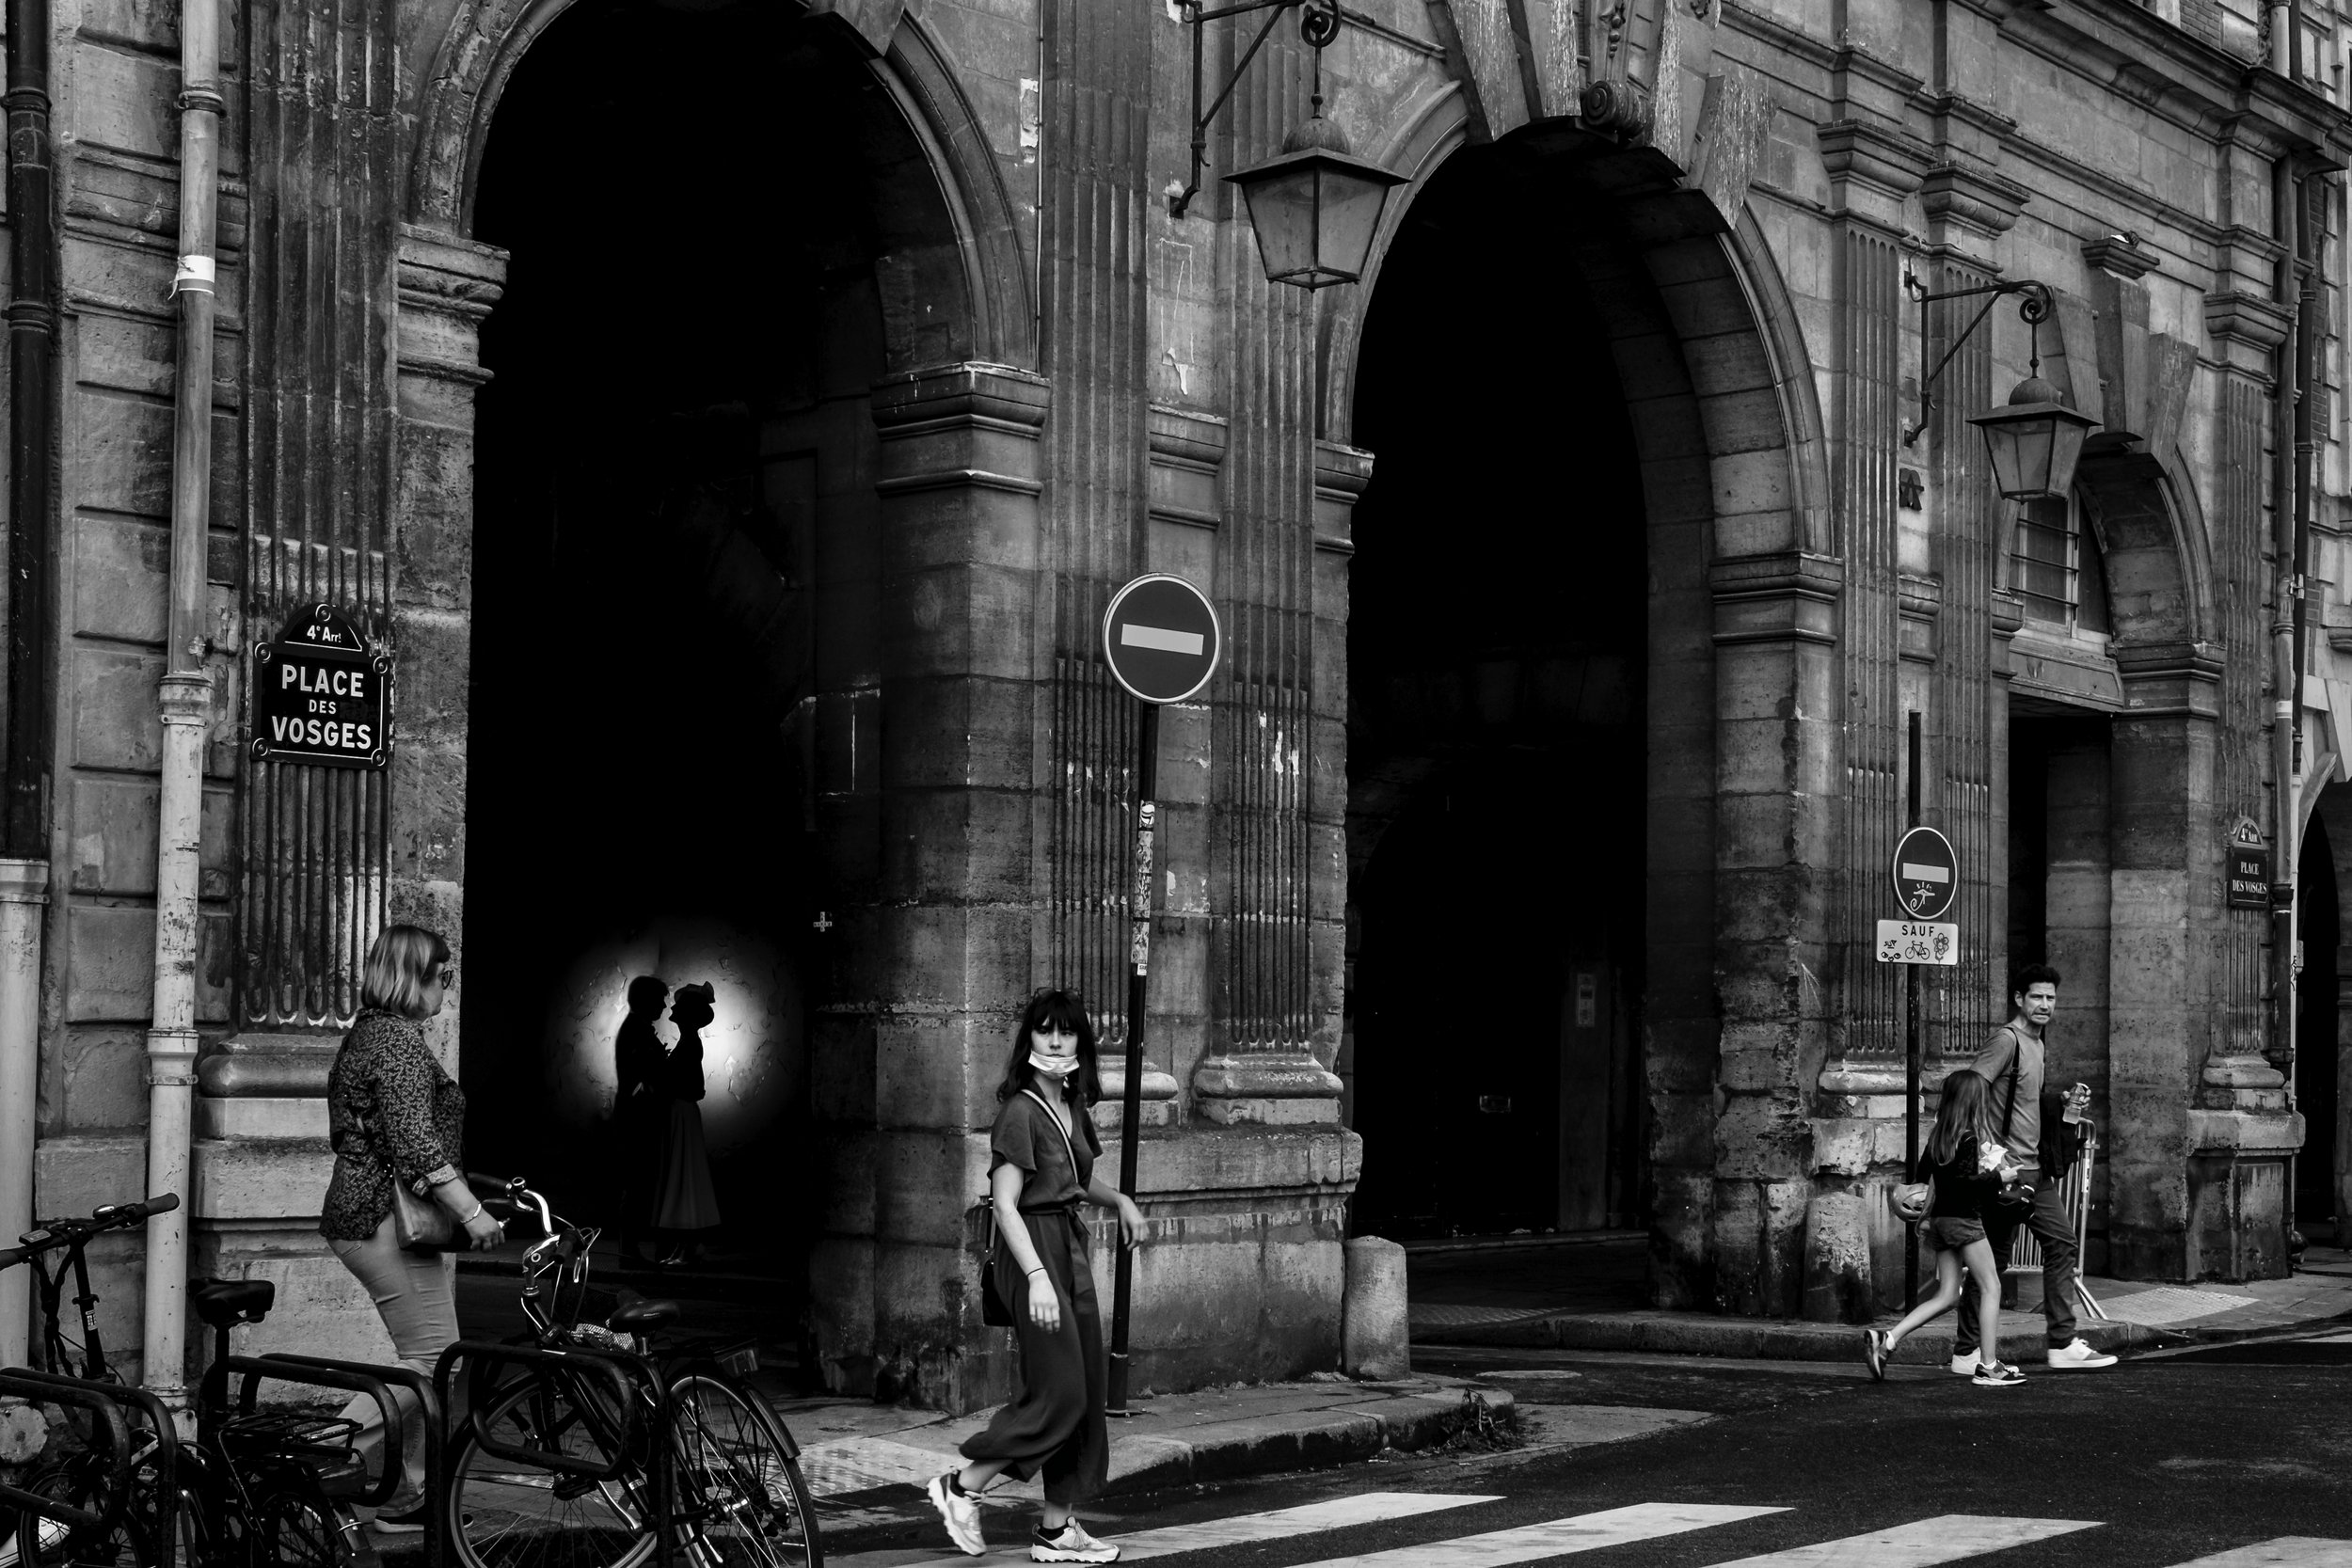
1496 680
675 569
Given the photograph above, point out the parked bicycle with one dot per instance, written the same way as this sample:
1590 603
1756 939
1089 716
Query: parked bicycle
738 1496
259 1487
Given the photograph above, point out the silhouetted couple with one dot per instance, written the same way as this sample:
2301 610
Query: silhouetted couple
666 1166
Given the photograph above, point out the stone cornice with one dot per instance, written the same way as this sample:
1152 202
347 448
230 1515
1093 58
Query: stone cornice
2177 679
1861 64
1878 156
2246 318
964 393
1788 596
2115 255
1976 199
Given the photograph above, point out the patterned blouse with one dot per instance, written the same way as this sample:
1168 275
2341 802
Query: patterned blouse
389 1107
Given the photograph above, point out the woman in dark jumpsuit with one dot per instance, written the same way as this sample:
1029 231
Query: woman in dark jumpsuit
1042 1158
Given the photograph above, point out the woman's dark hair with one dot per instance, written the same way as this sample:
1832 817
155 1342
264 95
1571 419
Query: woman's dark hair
1057 1011
1966 1113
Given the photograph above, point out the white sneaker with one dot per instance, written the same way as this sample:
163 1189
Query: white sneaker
1070 1544
961 1513
2079 1357
1964 1365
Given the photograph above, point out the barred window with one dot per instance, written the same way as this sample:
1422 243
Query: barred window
2058 569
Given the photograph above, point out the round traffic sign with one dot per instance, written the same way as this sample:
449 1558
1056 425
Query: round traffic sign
1927 873
1161 637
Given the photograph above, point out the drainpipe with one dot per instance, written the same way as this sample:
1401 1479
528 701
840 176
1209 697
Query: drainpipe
186 701
2308 335
2286 204
32 314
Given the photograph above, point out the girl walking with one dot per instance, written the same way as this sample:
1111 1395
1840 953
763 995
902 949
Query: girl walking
1969 1165
1041 1160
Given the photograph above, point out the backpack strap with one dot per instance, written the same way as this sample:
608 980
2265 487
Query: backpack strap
2008 1106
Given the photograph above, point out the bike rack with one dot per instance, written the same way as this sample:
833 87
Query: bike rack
627 1376
359 1377
105 1402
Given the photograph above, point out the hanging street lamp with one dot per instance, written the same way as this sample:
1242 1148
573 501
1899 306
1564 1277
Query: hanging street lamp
1315 208
2035 439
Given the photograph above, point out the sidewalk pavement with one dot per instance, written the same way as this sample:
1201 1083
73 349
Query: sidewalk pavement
852 1447
2141 1316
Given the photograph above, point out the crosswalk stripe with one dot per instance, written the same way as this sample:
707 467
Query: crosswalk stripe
1946 1538
2287 1551
1366 1508
1584 1532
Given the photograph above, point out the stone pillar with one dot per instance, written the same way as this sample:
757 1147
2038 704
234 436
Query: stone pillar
940 946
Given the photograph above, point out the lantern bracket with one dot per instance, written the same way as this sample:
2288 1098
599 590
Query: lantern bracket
1319 25
2033 308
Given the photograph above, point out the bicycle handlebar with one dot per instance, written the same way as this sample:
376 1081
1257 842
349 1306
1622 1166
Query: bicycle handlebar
53 1234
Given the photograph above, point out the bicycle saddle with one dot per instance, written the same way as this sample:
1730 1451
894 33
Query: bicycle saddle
222 1302
635 1317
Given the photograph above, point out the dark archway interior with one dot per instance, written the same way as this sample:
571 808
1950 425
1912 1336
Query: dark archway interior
708 212
2317 1054
1496 682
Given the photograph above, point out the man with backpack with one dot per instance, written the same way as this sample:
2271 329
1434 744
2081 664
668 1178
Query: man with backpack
2038 1123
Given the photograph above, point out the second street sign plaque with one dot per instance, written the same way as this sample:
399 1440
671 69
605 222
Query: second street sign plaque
320 696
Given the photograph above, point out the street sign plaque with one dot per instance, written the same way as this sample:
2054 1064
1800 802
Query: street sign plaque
1918 942
320 696
2248 865
1927 874
1160 635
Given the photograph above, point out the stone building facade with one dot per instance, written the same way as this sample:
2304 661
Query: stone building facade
861 331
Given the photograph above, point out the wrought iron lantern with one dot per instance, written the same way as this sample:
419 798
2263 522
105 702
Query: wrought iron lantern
1315 208
2034 440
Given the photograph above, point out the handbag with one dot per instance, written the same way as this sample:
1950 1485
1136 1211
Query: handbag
995 1312
419 1223
1912 1199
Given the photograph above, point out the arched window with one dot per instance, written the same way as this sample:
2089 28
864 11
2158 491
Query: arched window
2059 568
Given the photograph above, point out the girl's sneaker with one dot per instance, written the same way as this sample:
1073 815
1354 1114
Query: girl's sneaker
1874 1351
1070 1544
960 1512
1997 1374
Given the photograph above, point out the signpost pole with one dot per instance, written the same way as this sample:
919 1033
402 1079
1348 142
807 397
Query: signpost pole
1131 1092
1911 1052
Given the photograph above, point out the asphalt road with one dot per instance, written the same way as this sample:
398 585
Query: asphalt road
2162 1460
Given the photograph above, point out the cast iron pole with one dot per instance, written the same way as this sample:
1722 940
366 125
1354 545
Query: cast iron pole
1138 973
1911 1051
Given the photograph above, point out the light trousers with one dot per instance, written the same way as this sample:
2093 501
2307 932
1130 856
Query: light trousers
412 1294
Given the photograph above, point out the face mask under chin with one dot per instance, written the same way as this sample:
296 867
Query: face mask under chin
1054 1067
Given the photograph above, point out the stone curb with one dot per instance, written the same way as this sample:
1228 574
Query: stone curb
1754 1339
1292 1440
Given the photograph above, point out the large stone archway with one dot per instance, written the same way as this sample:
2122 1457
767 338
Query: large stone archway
1741 730
924 512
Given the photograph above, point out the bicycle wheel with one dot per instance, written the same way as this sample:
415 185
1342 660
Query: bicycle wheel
740 1498
293 1523
506 1514
79 1479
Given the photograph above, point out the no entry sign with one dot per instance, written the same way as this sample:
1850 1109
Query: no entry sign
1927 873
1161 637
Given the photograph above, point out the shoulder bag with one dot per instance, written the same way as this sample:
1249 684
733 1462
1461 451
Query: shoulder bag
2017 1196
419 1223
995 1312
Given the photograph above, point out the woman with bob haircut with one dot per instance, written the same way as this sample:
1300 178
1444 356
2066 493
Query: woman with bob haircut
394 1115
1042 1158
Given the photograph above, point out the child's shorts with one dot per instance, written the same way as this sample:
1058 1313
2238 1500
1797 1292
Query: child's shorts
1949 1234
